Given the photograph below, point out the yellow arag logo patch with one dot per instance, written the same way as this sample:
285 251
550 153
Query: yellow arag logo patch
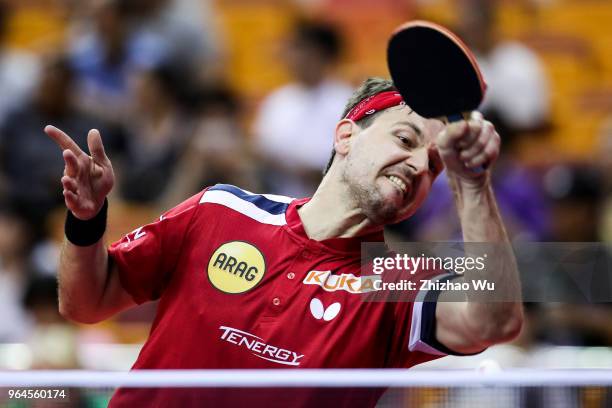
236 267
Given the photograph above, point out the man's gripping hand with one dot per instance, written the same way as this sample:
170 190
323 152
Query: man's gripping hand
469 148
87 180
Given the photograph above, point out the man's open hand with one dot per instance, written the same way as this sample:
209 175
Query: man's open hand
87 179
467 146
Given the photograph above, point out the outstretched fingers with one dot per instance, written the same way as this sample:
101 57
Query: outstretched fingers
70 184
63 140
72 163
96 148
71 199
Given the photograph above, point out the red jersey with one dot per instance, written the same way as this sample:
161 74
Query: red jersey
240 285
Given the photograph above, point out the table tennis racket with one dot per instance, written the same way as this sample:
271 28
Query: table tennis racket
435 72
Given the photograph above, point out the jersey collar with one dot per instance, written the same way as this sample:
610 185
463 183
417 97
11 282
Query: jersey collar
352 245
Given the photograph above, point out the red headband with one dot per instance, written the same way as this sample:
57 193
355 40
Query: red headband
375 103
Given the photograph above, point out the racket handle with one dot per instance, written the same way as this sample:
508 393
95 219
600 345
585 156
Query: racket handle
465 116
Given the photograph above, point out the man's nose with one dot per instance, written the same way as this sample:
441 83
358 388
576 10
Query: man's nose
418 161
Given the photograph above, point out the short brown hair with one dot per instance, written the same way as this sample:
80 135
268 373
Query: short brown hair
369 87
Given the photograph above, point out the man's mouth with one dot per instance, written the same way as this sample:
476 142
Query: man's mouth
401 184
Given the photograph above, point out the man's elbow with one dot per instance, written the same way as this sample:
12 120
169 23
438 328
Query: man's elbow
502 328
77 314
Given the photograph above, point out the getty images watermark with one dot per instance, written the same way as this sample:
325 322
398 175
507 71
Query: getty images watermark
408 271
564 272
428 271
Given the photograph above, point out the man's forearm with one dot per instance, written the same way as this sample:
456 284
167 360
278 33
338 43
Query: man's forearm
83 277
478 212
481 222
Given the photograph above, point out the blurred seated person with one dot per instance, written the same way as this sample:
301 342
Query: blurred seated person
121 37
183 31
577 192
19 70
218 151
53 341
518 95
103 56
517 101
161 124
294 123
29 161
17 235
604 163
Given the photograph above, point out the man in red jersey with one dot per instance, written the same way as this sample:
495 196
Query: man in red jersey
264 281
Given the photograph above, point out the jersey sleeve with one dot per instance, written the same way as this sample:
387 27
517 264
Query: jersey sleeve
146 257
414 339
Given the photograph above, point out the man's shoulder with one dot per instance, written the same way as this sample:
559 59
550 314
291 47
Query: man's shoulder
264 208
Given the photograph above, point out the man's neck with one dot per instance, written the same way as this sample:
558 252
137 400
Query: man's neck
332 214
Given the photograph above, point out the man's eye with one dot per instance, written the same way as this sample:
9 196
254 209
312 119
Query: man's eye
407 141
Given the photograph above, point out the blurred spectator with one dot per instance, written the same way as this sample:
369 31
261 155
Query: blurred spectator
29 162
102 56
122 37
18 70
517 101
159 128
53 340
518 96
576 325
295 125
604 161
181 31
16 239
218 152
576 192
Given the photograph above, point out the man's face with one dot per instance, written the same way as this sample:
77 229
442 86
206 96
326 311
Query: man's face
392 163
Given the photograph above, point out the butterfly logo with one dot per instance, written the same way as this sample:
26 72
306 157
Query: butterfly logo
319 312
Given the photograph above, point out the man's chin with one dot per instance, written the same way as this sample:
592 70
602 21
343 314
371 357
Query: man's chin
392 196
395 207
392 212
387 205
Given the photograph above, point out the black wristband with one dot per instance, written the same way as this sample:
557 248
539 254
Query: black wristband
86 233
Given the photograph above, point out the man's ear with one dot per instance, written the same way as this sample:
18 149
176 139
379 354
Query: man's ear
344 130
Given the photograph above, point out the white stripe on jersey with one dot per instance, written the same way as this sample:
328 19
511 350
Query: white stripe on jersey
273 197
415 343
247 208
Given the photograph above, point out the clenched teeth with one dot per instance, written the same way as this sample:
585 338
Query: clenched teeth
398 182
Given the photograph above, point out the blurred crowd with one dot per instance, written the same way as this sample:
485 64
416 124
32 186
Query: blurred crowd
152 76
